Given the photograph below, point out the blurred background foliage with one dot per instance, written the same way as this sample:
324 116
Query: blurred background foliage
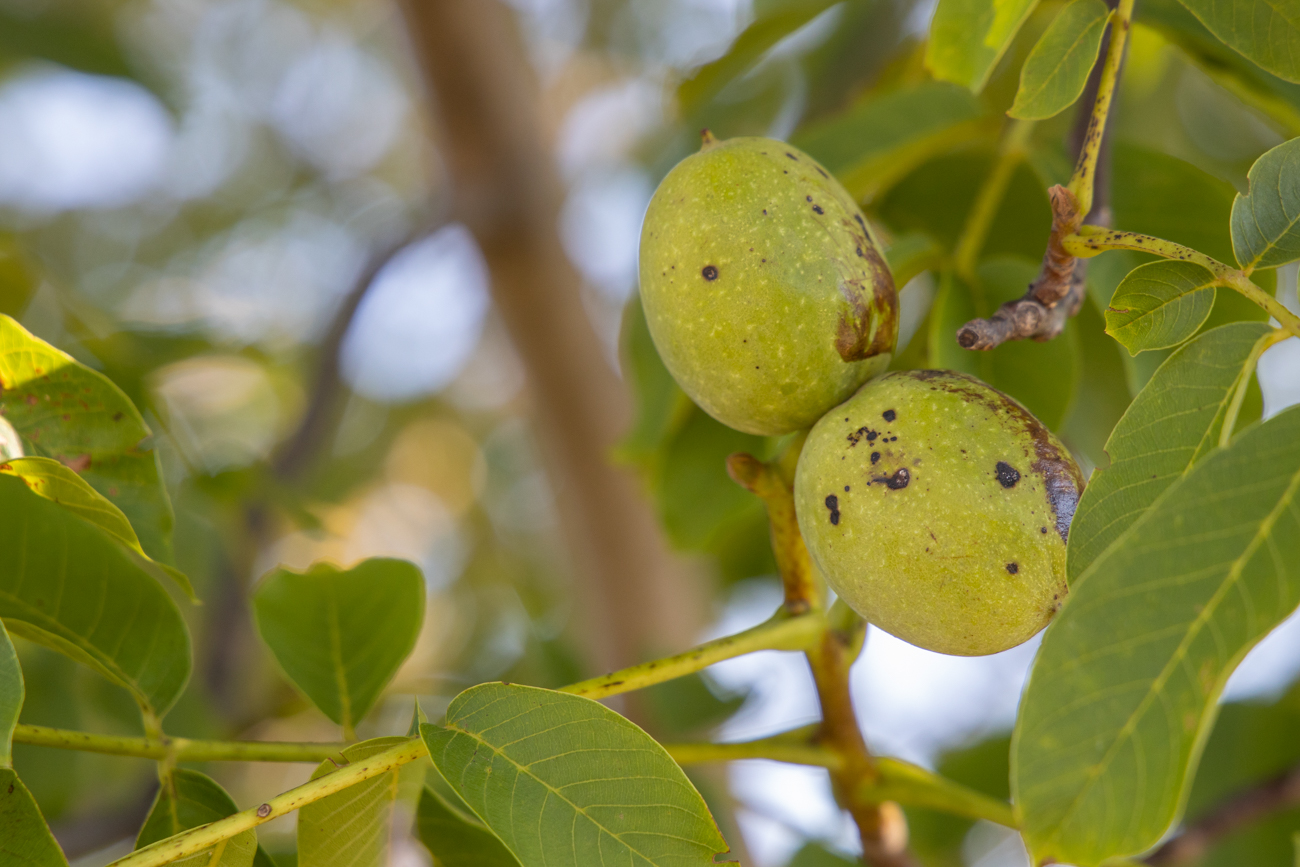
239 211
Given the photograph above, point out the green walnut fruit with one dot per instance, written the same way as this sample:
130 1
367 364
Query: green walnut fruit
763 286
937 508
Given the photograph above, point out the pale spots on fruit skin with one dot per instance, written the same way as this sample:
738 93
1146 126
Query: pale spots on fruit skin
955 560
759 347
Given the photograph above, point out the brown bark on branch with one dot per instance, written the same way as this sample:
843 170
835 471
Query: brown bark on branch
1233 814
633 597
1052 298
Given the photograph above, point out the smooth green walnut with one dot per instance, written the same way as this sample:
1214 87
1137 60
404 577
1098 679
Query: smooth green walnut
938 508
763 286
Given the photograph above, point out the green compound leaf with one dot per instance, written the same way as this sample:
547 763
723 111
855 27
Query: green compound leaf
53 481
1056 71
562 779
65 410
1173 423
969 37
340 635
25 839
1266 220
457 839
1160 304
350 828
190 799
74 588
882 138
1123 692
11 696
1265 31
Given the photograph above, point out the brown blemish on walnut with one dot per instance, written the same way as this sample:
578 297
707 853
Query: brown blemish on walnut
875 305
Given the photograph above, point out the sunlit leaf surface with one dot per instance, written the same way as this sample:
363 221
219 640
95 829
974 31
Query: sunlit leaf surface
65 410
53 481
969 37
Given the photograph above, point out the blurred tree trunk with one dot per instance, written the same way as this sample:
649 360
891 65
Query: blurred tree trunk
635 597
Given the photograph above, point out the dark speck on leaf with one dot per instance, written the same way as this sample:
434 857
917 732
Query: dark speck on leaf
833 503
710 272
1013 568
888 415
875 456
1007 474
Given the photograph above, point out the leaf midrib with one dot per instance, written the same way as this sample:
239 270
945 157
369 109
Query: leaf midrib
523 770
1230 581
336 656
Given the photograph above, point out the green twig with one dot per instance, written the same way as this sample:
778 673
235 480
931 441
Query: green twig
782 632
198 839
1091 240
776 749
910 784
1085 170
176 749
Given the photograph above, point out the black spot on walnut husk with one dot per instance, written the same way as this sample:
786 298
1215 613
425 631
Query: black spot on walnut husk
1007 474
833 503
897 481
710 272
1013 568
888 415
875 456
858 434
